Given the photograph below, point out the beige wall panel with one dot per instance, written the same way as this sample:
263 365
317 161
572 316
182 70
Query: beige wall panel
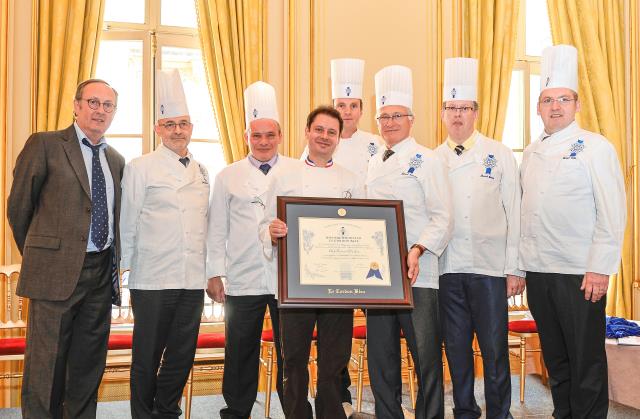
379 32
19 106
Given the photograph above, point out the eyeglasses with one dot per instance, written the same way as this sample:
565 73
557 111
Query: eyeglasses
461 109
95 105
171 126
563 100
385 119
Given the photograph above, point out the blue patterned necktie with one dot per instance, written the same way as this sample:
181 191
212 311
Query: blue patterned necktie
99 207
265 167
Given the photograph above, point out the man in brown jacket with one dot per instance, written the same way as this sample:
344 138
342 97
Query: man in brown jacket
63 209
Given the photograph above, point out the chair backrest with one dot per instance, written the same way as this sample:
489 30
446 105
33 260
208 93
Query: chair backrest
519 307
13 314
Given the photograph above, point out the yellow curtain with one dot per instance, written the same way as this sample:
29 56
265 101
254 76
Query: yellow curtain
4 98
231 34
633 70
596 29
68 33
489 34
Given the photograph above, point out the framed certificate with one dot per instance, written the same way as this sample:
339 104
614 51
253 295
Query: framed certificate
343 253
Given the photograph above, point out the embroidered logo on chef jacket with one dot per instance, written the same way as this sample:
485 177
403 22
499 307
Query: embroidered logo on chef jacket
489 163
204 174
575 148
414 163
372 148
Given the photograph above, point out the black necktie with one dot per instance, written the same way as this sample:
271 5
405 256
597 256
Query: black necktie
545 137
265 167
459 149
387 153
99 210
184 161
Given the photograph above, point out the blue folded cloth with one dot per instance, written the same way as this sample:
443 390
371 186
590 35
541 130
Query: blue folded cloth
617 327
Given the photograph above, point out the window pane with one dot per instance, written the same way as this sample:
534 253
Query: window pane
120 64
538 31
130 11
130 148
178 13
189 62
210 155
513 134
535 123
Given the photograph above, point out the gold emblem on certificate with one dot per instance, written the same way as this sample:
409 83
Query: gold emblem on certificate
343 252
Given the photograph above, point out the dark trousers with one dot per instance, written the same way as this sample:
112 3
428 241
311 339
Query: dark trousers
335 328
572 335
345 378
244 317
165 334
476 303
67 346
421 327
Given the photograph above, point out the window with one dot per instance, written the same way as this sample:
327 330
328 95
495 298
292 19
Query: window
522 123
140 37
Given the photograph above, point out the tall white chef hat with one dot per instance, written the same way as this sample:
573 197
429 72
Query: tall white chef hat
346 78
260 102
559 67
460 79
394 86
170 99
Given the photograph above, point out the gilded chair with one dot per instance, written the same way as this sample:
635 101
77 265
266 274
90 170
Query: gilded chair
523 328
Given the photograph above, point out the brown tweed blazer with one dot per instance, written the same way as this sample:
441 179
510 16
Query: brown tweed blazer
49 211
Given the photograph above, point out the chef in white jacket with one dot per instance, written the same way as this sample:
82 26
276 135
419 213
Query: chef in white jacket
234 252
356 146
163 223
573 220
414 174
479 267
317 176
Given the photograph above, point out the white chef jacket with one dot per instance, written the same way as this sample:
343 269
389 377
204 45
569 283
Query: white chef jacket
417 176
354 153
308 181
573 204
485 189
234 250
163 221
